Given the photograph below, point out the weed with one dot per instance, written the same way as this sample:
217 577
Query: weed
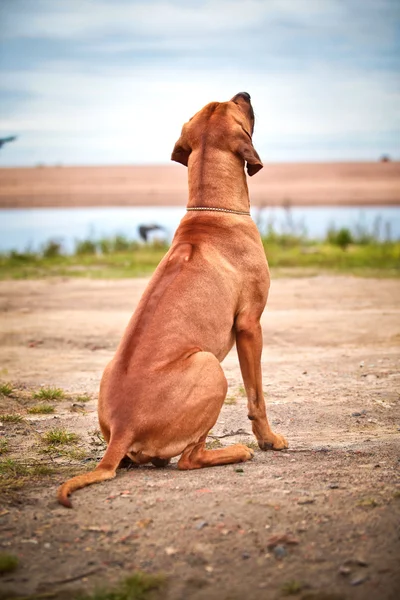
8 562
85 247
48 393
242 391
214 444
59 437
4 447
292 587
52 249
10 468
83 398
15 418
136 587
6 389
250 444
368 503
41 409
230 400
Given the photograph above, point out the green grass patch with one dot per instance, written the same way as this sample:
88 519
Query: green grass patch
250 444
83 398
292 587
12 418
356 251
8 563
230 400
214 444
6 389
49 393
41 409
139 586
59 437
10 468
4 447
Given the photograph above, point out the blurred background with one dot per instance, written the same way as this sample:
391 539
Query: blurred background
94 94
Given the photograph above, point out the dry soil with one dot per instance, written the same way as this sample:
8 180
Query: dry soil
320 520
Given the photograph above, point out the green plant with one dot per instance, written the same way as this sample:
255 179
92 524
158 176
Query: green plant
83 398
139 586
52 249
59 437
230 400
4 447
48 393
6 389
214 444
41 409
292 587
342 237
85 247
13 418
8 562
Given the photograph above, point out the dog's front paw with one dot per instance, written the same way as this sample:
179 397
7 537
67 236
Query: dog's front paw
276 442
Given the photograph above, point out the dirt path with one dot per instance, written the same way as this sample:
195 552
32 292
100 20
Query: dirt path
331 376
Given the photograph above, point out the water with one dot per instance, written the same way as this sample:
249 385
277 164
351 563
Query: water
22 229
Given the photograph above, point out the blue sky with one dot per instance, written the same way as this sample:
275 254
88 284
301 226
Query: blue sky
112 81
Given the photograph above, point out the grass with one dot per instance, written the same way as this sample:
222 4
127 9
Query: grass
83 398
4 448
14 418
15 475
8 563
41 409
6 389
230 400
59 437
356 251
292 587
139 586
250 444
242 391
48 393
10 468
214 444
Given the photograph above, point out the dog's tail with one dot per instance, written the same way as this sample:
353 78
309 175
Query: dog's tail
106 469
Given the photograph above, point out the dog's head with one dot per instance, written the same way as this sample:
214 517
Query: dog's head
224 125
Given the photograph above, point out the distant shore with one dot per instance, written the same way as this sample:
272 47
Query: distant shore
289 184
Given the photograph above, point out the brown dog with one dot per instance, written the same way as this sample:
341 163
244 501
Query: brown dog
163 391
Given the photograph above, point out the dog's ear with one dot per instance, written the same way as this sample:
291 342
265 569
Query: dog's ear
182 150
249 154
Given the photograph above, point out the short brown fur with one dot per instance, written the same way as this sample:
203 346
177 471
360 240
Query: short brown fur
163 391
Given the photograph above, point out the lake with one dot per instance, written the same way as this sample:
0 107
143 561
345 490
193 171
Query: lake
22 229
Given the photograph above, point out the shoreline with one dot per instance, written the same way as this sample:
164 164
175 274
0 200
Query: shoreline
278 184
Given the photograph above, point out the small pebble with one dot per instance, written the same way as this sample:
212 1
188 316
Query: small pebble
245 555
333 486
279 552
201 524
358 579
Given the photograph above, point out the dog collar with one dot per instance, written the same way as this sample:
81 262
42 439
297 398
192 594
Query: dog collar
227 210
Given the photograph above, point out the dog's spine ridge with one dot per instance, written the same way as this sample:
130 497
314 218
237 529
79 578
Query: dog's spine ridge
105 470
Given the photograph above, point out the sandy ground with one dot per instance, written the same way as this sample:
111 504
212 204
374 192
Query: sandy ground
331 377
308 184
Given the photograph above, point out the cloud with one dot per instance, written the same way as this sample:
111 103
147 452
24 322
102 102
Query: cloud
323 75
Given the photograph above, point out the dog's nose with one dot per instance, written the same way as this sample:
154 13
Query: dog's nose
243 95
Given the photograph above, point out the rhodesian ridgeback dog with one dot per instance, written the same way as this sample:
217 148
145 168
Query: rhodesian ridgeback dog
164 389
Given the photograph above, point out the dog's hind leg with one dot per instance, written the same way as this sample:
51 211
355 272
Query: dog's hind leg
205 401
196 456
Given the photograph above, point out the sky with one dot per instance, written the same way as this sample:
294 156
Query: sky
92 82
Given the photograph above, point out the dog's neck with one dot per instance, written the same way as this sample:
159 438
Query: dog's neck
217 179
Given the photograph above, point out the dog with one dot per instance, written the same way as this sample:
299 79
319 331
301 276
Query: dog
164 389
